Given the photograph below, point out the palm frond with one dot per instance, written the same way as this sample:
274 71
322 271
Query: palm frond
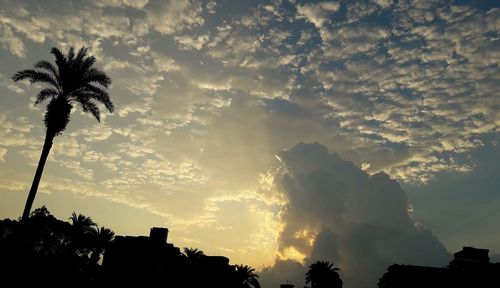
71 54
43 64
81 55
44 94
99 95
247 277
95 76
87 63
82 223
103 235
193 254
254 282
60 58
23 74
92 108
35 76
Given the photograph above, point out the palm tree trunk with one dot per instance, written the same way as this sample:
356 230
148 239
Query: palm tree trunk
38 174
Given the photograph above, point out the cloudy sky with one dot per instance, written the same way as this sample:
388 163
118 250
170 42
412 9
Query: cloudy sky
213 99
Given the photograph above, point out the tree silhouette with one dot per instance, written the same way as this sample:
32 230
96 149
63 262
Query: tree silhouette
321 274
82 224
246 277
82 234
102 238
71 81
193 254
54 253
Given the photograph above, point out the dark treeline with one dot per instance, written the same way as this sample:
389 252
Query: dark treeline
47 252
44 251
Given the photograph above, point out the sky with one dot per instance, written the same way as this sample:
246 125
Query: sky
271 132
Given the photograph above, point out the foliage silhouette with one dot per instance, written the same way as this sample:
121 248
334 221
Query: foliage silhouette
246 277
193 255
56 253
102 237
51 252
321 274
73 80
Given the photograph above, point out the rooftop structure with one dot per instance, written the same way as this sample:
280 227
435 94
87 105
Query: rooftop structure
146 260
469 268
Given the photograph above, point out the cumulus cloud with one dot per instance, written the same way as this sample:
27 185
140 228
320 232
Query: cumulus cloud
119 3
318 13
172 16
11 41
3 151
14 132
189 42
283 271
334 211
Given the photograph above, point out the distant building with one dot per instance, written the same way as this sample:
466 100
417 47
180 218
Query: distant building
136 260
470 258
142 261
469 268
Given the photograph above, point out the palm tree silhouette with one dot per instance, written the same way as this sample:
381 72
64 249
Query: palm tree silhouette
246 277
321 274
82 224
82 232
71 81
196 272
102 237
193 254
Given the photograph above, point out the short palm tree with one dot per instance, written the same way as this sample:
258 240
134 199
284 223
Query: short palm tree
246 277
193 254
82 232
102 237
321 274
82 224
72 80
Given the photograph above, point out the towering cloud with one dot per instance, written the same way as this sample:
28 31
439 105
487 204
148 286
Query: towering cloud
337 212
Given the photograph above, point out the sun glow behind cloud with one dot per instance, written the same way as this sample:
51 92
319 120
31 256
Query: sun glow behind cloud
208 92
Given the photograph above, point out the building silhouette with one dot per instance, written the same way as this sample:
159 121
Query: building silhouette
141 261
470 267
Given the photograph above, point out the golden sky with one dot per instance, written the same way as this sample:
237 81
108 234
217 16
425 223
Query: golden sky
209 93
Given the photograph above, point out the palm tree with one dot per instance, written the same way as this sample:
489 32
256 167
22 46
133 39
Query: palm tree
321 274
71 81
246 277
196 275
193 254
82 230
102 237
82 224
